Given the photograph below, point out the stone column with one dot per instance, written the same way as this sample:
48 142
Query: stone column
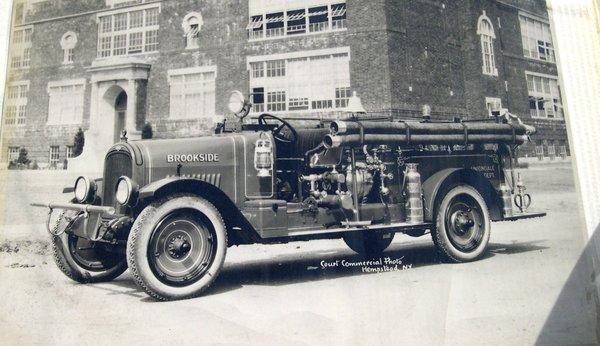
132 102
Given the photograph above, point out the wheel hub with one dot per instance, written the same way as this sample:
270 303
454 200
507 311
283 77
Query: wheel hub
462 222
179 246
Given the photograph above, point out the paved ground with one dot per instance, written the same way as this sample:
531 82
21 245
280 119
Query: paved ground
533 286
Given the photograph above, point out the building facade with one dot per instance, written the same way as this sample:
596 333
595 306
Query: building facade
108 65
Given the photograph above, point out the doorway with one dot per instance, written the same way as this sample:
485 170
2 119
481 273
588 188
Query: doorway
120 115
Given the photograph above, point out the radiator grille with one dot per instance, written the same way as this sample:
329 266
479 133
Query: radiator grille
117 164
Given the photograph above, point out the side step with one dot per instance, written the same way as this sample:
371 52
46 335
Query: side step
393 227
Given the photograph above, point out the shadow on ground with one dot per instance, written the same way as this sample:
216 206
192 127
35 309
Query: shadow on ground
289 269
574 317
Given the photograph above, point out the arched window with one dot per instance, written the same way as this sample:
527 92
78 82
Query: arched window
192 23
68 43
486 32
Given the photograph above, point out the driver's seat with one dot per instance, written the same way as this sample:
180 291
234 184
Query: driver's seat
307 139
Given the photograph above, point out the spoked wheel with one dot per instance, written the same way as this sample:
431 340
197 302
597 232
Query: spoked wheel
86 261
462 225
177 247
368 243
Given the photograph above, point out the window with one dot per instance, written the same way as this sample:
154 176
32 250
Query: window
66 102
68 43
258 100
342 95
276 101
13 153
54 156
192 93
493 104
276 68
544 96
537 39
20 49
303 81
257 69
69 151
275 25
192 23
127 33
486 32
296 21
16 103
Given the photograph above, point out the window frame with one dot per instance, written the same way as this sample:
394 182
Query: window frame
490 101
261 25
186 90
78 105
533 52
108 36
21 41
191 33
53 155
15 104
537 96
300 101
487 36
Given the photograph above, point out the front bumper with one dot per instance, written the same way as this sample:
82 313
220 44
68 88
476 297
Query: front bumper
96 223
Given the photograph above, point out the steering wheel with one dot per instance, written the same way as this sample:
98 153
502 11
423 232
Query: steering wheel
288 136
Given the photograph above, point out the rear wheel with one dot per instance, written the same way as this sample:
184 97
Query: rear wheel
177 247
368 242
462 230
86 261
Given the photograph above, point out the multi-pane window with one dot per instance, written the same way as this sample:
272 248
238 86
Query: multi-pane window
294 21
276 68
69 151
192 93
257 69
342 95
128 32
20 49
68 42
192 23
13 154
276 101
486 32
317 81
544 97
66 102
16 103
537 39
54 156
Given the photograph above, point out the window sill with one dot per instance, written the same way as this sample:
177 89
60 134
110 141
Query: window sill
548 119
528 58
283 37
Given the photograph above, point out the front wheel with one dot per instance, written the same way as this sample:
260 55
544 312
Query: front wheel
462 230
86 261
176 247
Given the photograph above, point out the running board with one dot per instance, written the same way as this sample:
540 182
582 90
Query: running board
393 227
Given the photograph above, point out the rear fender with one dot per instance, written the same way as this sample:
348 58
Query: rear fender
436 185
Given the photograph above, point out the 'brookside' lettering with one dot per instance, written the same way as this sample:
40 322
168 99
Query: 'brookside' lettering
192 158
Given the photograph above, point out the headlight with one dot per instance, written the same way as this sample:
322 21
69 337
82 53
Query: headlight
85 189
126 191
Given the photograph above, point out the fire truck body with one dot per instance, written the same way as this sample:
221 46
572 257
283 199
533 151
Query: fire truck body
168 209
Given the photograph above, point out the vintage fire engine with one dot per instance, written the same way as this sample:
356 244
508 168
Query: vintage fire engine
169 209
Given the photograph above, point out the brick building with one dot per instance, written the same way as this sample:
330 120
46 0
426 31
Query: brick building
105 65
